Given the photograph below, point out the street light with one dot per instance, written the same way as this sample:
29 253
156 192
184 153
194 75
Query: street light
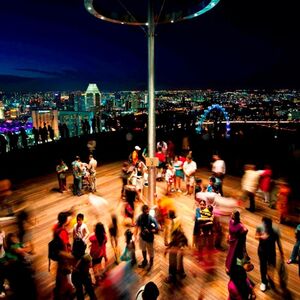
149 13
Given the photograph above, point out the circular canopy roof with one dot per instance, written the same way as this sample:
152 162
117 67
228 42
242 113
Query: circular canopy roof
135 12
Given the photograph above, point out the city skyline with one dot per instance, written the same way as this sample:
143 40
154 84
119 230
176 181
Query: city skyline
57 45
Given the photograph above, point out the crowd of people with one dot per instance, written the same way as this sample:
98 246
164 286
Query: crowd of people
84 175
81 255
210 207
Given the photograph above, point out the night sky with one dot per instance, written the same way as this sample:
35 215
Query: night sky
57 45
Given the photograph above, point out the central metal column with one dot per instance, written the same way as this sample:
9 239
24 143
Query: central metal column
151 104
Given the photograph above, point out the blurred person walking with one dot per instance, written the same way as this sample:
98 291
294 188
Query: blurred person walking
237 242
296 249
265 182
239 285
219 169
20 272
80 274
63 286
268 236
114 237
175 241
249 185
129 250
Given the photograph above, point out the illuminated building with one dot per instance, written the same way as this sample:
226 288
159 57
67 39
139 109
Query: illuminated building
48 117
92 97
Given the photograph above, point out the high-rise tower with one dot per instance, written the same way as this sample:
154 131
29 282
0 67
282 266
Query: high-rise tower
92 97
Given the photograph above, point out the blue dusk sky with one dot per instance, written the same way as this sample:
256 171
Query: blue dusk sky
57 45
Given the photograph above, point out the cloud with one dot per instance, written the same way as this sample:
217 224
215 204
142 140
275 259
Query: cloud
41 72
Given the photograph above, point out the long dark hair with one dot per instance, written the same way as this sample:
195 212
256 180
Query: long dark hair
100 233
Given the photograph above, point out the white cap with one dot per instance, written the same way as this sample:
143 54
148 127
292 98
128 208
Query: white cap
137 148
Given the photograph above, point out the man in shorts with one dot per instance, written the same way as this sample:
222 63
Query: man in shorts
189 169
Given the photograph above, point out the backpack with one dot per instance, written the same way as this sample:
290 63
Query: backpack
54 247
146 228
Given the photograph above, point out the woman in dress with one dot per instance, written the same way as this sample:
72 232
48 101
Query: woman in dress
236 241
179 175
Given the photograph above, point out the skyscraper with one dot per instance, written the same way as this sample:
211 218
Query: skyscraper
92 97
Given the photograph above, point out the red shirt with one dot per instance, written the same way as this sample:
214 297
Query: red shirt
182 158
64 236
161 157
265 180
97 250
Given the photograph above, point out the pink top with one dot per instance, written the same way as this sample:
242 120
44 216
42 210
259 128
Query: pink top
97 250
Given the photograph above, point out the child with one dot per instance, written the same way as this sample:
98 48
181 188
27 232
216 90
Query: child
129 251
212 187
206 223
80 230
198 187
169 178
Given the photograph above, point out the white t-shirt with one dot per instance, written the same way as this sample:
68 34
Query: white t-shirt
218 166
169 175
81 232
250 181
189 168
93 165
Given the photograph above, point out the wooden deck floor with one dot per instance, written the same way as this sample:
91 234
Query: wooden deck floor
210 281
